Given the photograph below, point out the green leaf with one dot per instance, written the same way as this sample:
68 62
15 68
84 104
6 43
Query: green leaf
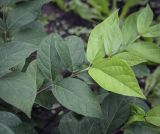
117 71
112 36
141 128
45 99
8 2
144 19
76 96
100 5
71 52
97 38
116 111
19 17
130 58
32 34
141 70
153 31
85 77
87 13
48 59
146 50
9 119
2 25
69 124
153 80
138 114
5 130
11 54
23 91
76 49
25 128
129 30
152 116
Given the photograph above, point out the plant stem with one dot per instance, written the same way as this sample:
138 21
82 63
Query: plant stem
114 7
76 73
43 89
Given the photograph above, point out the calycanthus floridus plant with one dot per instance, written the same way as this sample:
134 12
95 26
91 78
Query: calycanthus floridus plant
61 71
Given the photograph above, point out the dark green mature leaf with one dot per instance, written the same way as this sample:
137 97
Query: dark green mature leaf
141 128
70 125
32 34
129 30
18 18
130 58
11 54
71 52
153 80
116 110
48 59
76 49
19 90
25 128
152 116
146 50
153 31
9 119
45 99
76 96
5 130
85 77
141 70
1 24
117 71
97 37
144 19
7 2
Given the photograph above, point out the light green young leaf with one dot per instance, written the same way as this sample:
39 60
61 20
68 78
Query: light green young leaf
76 96
146 50
100 5
130 58
11 54
128 4
153 31
5 130
144 19
48 60
95 45
112 36
129 30
9 119
152 116
117 71
87 13
135 109
23 91
138 114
